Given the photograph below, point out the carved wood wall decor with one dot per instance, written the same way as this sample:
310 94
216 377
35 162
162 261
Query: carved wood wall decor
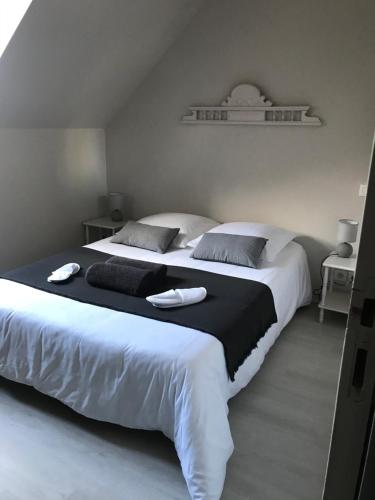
247 106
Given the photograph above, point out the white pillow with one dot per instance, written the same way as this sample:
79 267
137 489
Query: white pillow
277 238
190 225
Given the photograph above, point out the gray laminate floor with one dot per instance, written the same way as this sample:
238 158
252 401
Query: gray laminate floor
280 425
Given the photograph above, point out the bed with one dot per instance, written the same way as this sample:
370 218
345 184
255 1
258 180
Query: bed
142 373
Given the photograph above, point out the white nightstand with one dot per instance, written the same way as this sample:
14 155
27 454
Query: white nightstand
102 223
334 298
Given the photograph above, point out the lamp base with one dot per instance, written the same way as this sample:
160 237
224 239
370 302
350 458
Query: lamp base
344 250
117 215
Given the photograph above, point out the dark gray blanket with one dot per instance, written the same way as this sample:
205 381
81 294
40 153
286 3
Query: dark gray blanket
237 312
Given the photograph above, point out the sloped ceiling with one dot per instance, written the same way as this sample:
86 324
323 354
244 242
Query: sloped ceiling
73 63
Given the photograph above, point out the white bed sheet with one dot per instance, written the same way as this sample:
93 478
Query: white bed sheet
139 372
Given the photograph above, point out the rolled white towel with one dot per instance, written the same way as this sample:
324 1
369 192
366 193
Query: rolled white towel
64 272
178 297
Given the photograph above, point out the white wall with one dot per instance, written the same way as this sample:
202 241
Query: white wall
299 52
72 63
50 181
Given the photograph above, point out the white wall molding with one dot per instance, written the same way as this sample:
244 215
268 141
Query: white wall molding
245 105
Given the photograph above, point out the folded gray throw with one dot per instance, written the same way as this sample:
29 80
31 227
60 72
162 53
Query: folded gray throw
121 278
159 270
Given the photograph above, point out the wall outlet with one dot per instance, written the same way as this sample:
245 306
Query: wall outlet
340 277
362 190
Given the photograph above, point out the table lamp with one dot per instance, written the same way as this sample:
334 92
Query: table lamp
346 233
115 203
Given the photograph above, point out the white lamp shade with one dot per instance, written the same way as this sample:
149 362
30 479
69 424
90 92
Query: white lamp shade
347 230
115 201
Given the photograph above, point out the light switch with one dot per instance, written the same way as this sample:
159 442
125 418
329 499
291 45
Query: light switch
362 190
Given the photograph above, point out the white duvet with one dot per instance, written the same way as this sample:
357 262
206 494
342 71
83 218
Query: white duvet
139 372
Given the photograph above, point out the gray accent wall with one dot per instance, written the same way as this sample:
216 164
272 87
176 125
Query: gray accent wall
301 178
50 181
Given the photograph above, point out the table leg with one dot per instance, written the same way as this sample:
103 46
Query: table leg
324 293
87 233
331 282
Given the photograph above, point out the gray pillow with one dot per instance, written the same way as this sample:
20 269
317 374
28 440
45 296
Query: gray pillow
230 249
139 235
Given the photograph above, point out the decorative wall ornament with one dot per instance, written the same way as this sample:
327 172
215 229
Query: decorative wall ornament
247 106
